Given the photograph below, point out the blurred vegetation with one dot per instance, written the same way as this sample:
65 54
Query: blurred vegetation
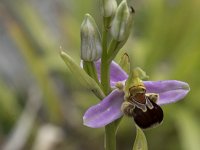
38 95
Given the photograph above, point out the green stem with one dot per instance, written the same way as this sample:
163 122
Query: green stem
110 129
105 78
110 136
105 66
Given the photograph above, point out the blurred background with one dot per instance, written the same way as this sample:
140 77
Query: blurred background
41 103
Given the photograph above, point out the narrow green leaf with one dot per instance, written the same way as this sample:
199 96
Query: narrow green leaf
140 140
82 76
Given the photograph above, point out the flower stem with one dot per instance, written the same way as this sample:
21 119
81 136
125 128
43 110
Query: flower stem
105 79
110 136
110 129
105 66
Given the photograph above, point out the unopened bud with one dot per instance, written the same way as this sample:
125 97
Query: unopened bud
90 40
108 7
122 21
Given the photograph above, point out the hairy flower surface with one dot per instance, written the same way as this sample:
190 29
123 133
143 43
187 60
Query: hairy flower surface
109 109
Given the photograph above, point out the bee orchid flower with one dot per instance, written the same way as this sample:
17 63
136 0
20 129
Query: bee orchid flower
109 109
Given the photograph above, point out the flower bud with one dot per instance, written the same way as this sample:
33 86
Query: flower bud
122 21
90 40
108 7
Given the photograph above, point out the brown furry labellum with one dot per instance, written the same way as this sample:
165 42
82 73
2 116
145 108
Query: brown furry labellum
142 107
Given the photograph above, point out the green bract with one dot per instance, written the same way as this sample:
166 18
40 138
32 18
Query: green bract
82 76
140 140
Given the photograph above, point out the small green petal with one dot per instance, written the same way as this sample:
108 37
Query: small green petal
134 79
141 73
140 140
125 63
81 75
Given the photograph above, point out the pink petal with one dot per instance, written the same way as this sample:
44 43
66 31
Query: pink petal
117 74
105 112
169 91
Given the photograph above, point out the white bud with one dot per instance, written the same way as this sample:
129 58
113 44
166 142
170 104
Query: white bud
108 7
120 28
91 48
